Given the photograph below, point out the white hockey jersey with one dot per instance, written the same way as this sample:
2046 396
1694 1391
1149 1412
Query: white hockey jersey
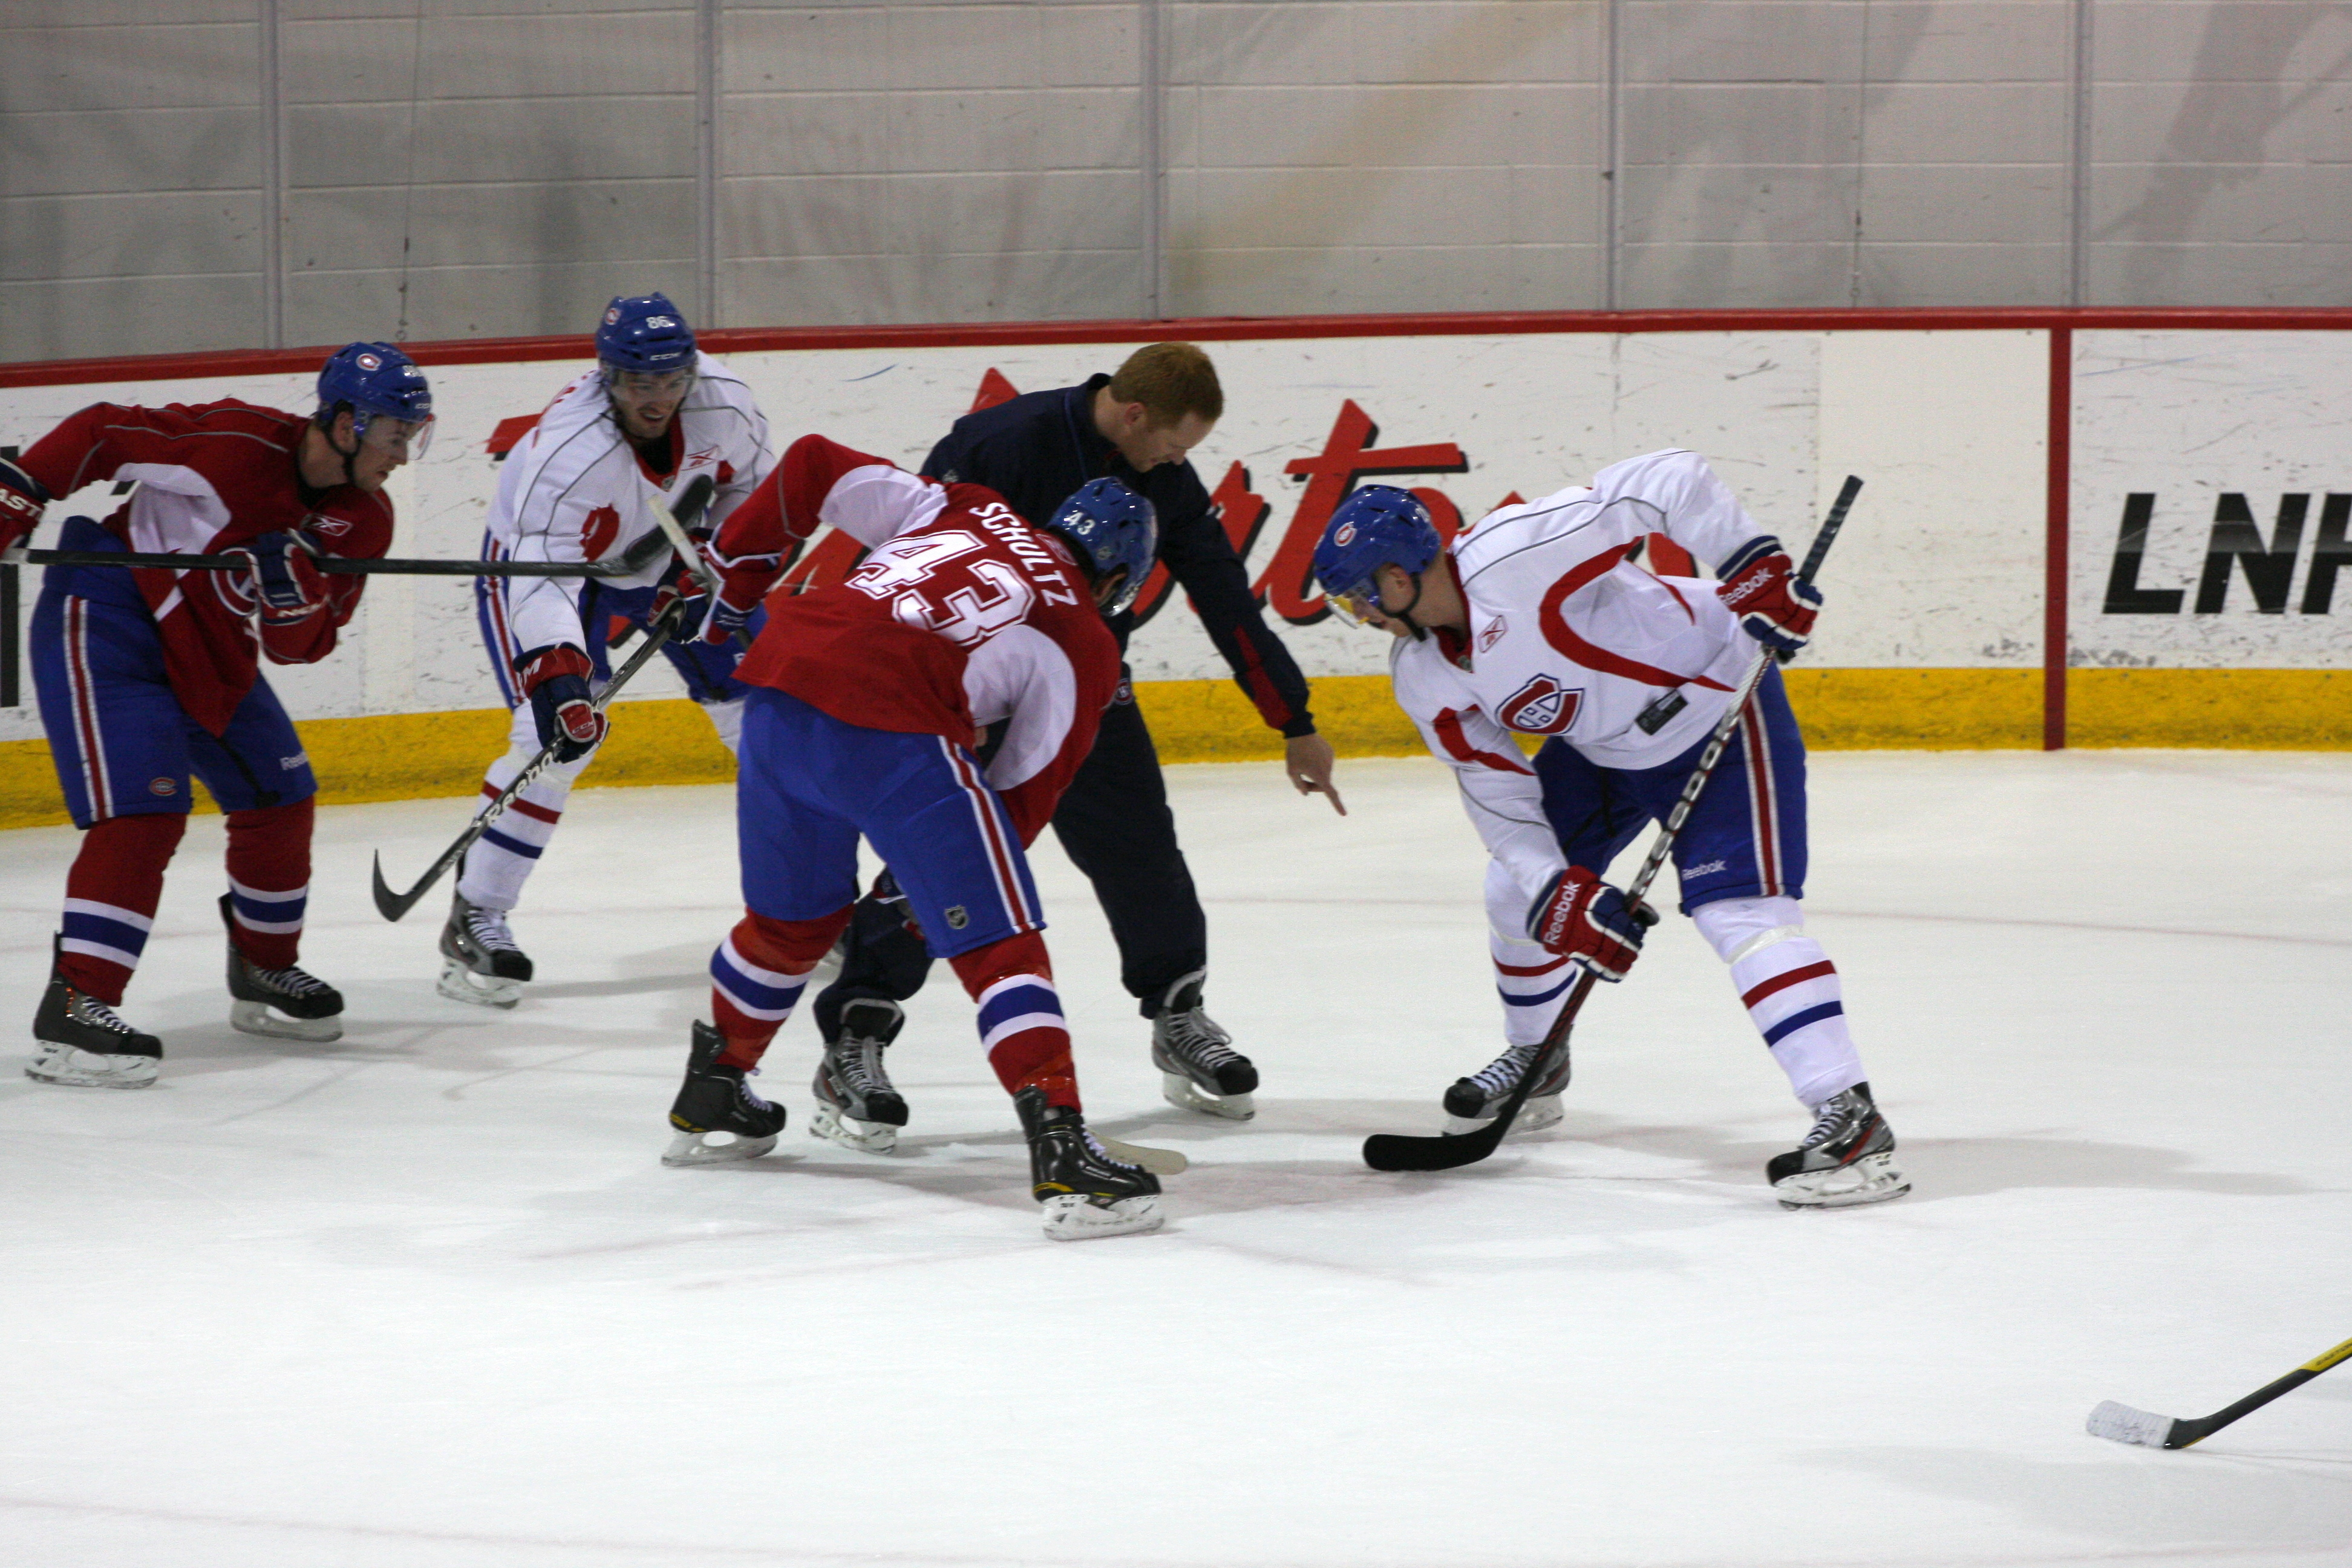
1570 636
575 489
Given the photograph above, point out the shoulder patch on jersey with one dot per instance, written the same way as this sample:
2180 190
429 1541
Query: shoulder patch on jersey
1542 707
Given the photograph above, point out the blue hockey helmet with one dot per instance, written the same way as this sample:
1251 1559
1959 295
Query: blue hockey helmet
389 401
1377 526
644 333
1112 528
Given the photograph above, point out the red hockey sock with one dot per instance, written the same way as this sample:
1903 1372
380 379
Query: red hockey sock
110 897
757 977
269 881
1020 1023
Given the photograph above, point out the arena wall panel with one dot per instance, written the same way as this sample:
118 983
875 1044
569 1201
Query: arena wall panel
1938 629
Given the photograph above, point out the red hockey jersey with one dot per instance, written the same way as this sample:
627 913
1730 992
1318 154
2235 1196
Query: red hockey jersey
960 615
211 476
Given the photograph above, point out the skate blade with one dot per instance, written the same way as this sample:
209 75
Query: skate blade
1533 1117
1069 1217
75 1068
1185 1094
2122 1424
689 1149
866 1137
460 983
261 1018
1872 1179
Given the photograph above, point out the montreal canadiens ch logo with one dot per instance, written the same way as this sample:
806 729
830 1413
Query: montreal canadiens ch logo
1344 536
1541 707
369 361
611 314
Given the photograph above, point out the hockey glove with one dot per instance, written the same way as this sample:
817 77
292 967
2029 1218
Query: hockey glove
1583 918
22 497
683 599
555 678
278 579
726 619
1759 586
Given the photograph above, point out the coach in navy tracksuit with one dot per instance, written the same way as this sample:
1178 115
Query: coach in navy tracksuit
1036 449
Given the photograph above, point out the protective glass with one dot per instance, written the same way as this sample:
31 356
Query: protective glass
407 440
1355 607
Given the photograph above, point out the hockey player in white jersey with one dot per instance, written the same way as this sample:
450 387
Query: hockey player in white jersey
1543 619
616 448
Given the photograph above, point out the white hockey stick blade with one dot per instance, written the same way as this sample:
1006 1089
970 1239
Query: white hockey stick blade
1159 1162
2122 1424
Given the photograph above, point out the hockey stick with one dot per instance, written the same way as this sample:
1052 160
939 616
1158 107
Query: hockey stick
2125 1425
1159 1162
690 556
1446 1150
392 905
333 565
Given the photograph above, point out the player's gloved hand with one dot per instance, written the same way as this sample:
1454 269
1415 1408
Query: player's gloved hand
1583 918
280 578
1760 586
555 678
726 619
22 497
682 598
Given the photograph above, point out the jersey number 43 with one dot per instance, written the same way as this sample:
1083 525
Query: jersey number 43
932 586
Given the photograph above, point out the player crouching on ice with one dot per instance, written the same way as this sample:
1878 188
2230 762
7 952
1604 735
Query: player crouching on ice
867 699
1540 620
146 676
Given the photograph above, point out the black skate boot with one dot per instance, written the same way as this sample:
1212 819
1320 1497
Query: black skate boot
485 966
1086 1192
286 1004
81 1043
1848 1158
1199 1069
1477 1100
715 1098
855 1106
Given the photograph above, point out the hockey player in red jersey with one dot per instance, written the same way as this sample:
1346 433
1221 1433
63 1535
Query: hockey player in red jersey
868 701
1544 620
146 676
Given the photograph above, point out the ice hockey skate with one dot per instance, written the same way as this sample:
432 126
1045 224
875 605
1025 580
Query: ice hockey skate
1848 1158
1086 1192
1199 1069
483 965
1477 1100
79 1042
289 1003
855 1105
715 1098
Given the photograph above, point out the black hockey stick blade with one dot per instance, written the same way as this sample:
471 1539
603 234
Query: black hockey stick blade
2122 1424
392 905
1446 1150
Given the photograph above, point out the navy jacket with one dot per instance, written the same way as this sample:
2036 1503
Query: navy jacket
1037 449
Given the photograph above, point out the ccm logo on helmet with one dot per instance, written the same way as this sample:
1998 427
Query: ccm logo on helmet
1541 707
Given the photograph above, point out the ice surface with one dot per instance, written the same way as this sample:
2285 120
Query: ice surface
428 1297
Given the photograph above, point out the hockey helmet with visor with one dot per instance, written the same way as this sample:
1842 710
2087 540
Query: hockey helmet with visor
1111 529
389 403
1377 526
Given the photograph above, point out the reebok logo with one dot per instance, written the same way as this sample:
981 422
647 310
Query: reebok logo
1708 869
298 760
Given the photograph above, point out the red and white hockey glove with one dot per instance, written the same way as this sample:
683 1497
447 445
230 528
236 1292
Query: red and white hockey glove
685 591
555 678
22 497
279 579
1760 586
1583 918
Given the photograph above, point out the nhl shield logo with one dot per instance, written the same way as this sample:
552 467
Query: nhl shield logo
1542 707
957 918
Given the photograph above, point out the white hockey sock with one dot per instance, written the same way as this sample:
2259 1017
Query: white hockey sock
494 870
1791 990
1533 981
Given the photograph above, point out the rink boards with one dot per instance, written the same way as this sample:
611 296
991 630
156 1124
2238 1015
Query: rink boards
2167 508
